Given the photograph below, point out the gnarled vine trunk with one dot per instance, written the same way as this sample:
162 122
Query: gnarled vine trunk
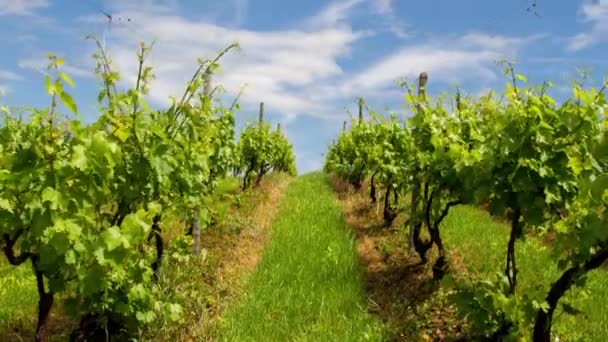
372 190
440 266
542 326
511 268
421 247
158 240
45 301
390 212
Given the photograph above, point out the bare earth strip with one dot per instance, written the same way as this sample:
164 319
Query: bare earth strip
239 257
399 289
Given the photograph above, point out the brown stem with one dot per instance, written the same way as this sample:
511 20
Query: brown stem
158 239
9 244
445 211
249 170
137 83
421 246
120 214
440 266
427 205
542 326
107 71
263 170
511 268
372 191
187 94
389 212
45 301
395 196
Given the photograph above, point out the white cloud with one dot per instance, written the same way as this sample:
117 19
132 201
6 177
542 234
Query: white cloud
334 14
9 76
294 71
471 57
40 64
21 7
596 14
383 6
279 67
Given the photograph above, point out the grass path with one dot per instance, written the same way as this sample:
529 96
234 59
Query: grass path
308 285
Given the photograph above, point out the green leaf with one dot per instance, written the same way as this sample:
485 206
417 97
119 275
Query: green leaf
51 195
79 158
66 78
174 312
48 85
135 228
112 238
521 77
146 317
6 205
68 101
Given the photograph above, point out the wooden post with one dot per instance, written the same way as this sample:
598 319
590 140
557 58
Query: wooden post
360 110
261 113
196 226
279 127
422 81
417 185
207 78
458 101
344 126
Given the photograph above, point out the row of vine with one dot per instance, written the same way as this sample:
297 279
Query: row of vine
84 204
540 163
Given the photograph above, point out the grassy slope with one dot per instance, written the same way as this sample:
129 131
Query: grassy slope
481 244
308 285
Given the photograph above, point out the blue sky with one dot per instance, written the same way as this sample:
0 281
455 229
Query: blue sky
307 60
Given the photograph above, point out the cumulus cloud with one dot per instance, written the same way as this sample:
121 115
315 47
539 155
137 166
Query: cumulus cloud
40 64
594 13
471 57
383 6
7 76
21 7
281 68
334 14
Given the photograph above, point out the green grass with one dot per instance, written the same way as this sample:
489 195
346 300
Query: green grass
309 283
18 297
481 242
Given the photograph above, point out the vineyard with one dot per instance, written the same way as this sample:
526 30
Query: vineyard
535 163
476 218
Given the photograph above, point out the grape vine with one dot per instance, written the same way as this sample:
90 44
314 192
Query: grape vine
540 163
82 203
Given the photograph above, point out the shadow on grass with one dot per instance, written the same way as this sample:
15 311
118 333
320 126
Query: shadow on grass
400 290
